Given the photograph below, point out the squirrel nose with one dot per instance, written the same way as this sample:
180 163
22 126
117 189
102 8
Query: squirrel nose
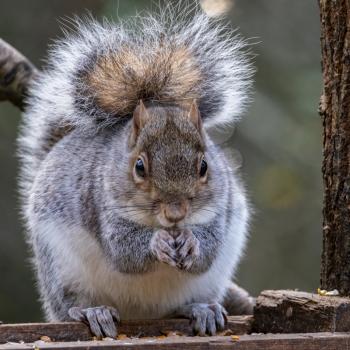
175 212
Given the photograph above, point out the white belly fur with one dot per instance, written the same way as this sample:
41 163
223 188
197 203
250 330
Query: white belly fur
149 295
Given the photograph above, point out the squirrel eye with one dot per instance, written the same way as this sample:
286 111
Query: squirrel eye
204 168
140 167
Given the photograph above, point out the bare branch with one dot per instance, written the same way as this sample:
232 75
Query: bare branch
16 73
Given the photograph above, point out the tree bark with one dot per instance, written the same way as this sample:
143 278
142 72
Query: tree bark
335 110
16 73
289 311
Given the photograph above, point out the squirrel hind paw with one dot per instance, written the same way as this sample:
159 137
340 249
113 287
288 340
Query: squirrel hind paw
205 318
100 319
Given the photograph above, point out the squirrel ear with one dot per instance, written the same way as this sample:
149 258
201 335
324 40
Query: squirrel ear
140 115
194 115
140 118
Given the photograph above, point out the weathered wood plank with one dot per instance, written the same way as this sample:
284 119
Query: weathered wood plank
284 311
72 331
315 341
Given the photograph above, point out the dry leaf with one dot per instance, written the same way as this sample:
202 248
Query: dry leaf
324 292
172 333
122 336
226 332
234 337
108 339
46 339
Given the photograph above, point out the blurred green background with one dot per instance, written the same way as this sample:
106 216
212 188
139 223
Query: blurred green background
279 141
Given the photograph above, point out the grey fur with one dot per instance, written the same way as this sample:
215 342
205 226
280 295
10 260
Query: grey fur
90 224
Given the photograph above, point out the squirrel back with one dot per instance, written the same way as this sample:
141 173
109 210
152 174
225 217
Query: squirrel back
96 76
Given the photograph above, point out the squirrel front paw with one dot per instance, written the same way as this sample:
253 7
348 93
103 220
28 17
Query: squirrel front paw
178 249
187 249
100 319
163 247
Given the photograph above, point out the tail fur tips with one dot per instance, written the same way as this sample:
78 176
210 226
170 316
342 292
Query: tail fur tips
103 70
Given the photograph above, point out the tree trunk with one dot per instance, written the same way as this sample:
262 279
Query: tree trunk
335 110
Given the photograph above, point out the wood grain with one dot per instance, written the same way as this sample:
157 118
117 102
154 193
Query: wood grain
73 331
317 341
284 311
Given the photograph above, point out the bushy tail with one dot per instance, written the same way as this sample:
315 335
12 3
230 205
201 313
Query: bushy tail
96 76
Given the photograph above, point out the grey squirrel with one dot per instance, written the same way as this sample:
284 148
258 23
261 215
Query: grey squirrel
131 210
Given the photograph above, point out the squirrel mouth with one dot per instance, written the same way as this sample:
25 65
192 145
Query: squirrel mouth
164 222
173 213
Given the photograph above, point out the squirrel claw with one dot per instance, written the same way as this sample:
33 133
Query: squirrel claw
208 318
179 251
100 319
205 318
187 249
162 246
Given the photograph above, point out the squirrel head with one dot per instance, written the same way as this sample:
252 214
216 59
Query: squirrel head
168 167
